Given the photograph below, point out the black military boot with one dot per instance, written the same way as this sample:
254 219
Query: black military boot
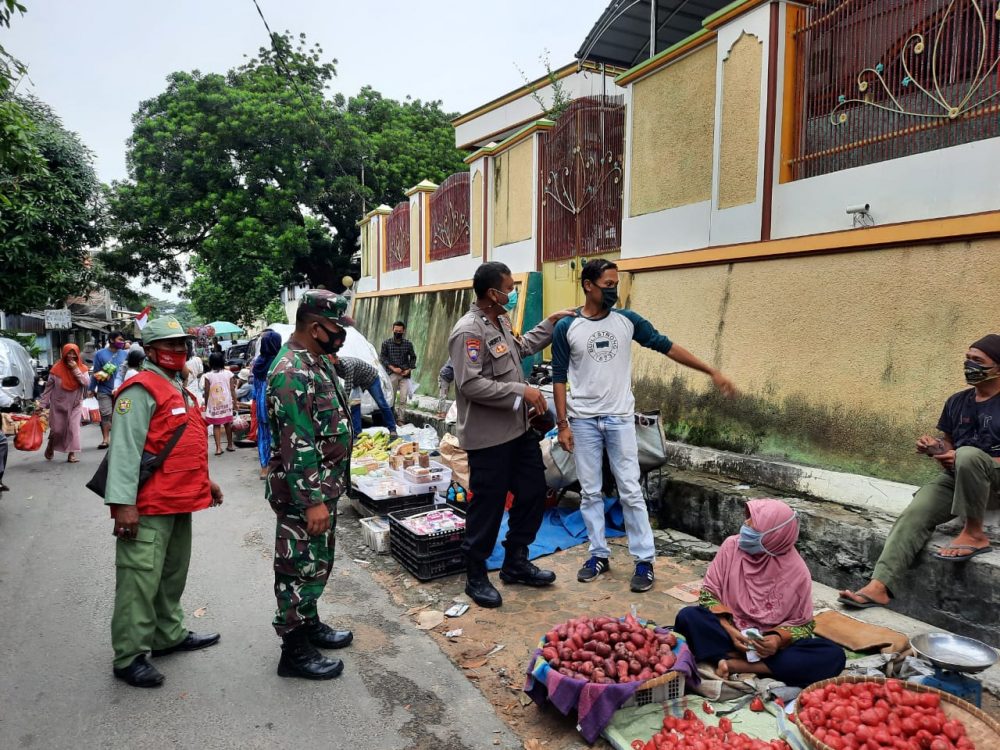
517 569
299 658
322 635
478 586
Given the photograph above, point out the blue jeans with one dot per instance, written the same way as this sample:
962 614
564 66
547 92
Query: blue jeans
591 437
375 389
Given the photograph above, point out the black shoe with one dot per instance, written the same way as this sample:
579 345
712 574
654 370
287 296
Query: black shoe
299 658
593 568
140 673
517 569
479 588
322 635
192 642
642 580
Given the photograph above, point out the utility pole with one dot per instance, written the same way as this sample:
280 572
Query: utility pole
363 211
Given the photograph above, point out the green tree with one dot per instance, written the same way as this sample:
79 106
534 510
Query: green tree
51 216
252 180
275 312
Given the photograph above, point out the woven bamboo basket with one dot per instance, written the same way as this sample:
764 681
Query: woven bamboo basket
982 729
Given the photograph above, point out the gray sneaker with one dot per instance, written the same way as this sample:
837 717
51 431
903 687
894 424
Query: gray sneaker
593 568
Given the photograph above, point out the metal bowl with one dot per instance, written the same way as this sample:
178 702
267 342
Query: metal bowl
954 652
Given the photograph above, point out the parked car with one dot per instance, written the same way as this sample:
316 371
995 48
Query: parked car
17 375
238 356
356 345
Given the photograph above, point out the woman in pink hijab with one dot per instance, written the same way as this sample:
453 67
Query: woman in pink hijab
759 581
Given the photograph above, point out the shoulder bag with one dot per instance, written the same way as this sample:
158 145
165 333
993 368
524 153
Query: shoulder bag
150 463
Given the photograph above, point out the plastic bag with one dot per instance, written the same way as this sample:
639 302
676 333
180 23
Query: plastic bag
426 437
29 435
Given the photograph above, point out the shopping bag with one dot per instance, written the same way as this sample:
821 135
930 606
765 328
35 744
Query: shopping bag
455 459
560 466
29 435
652 444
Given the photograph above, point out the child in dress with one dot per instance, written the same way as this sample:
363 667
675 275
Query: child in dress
220 400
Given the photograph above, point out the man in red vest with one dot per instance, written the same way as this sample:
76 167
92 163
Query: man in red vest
153 521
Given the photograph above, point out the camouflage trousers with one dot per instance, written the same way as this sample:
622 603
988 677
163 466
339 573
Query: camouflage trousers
302 565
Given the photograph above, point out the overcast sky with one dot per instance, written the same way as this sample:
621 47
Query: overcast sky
93 62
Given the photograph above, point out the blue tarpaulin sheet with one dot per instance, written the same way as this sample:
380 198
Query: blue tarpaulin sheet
562 528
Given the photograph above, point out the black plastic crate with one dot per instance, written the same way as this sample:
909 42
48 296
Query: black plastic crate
430 567
388 505
430 544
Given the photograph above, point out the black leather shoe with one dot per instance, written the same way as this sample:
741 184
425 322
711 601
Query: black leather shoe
140 673
192 642
322 635
479 588
517 569
299 658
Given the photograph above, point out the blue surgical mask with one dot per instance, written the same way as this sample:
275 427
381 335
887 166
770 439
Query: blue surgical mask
750 541
511 302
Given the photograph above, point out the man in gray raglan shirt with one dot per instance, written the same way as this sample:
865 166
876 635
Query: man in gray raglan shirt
593 351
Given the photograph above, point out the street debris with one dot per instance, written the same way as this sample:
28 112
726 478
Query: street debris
429 619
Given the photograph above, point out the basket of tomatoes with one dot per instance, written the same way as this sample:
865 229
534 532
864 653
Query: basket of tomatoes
872 713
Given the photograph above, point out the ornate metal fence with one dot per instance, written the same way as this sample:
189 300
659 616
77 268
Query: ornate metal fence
581 179
397 238
450 218
881 79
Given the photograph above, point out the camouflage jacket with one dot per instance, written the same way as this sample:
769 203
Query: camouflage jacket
311 433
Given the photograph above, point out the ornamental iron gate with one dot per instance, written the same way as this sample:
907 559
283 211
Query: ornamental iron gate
397 238
581 181
450 218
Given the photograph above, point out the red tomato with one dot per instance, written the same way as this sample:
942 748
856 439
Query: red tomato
707 707
725 724
757 704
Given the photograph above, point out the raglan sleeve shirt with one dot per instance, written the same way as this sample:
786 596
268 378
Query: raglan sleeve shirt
645 334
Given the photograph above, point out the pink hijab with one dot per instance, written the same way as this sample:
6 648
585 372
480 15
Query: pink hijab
764 591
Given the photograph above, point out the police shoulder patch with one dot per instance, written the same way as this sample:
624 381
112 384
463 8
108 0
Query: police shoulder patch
124 405
472 349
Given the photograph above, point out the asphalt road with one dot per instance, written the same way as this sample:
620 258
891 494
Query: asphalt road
56 589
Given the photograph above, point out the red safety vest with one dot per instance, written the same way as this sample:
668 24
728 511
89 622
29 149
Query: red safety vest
181 484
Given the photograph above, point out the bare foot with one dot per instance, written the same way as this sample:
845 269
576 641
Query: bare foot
965 539
72 459
723 669
874 590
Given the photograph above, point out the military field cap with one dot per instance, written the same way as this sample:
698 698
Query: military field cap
165 327
326 304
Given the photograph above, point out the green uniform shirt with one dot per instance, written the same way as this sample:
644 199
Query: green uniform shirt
129 427
310 431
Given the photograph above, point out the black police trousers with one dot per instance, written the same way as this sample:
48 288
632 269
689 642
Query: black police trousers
516 467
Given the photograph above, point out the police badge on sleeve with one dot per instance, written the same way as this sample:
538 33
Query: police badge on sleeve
472 348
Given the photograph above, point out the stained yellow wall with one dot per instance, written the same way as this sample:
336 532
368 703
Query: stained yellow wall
673 126
884 330
513 176
476 216
740 128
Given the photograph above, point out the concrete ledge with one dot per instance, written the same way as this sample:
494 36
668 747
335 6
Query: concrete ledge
854 490
841 545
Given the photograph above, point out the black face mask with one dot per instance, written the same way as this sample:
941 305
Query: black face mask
333 341
977 373
609 297
397 336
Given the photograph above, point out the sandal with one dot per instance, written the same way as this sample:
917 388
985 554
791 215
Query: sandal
102 446
218 453
49 453
231 449
868 602
972 552
72 460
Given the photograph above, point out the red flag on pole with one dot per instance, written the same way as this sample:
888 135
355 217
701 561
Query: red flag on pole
142 318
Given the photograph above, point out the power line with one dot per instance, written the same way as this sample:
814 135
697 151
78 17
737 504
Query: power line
284 70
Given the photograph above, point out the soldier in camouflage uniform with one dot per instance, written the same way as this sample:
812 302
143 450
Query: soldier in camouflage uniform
311 441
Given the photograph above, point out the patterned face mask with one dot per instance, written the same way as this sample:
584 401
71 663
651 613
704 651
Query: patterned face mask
976 373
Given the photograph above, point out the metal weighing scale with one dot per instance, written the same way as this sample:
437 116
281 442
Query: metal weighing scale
954 657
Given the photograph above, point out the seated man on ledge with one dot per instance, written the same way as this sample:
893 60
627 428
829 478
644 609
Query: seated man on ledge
969 485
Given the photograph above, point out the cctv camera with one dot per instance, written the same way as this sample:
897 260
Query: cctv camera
860 209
